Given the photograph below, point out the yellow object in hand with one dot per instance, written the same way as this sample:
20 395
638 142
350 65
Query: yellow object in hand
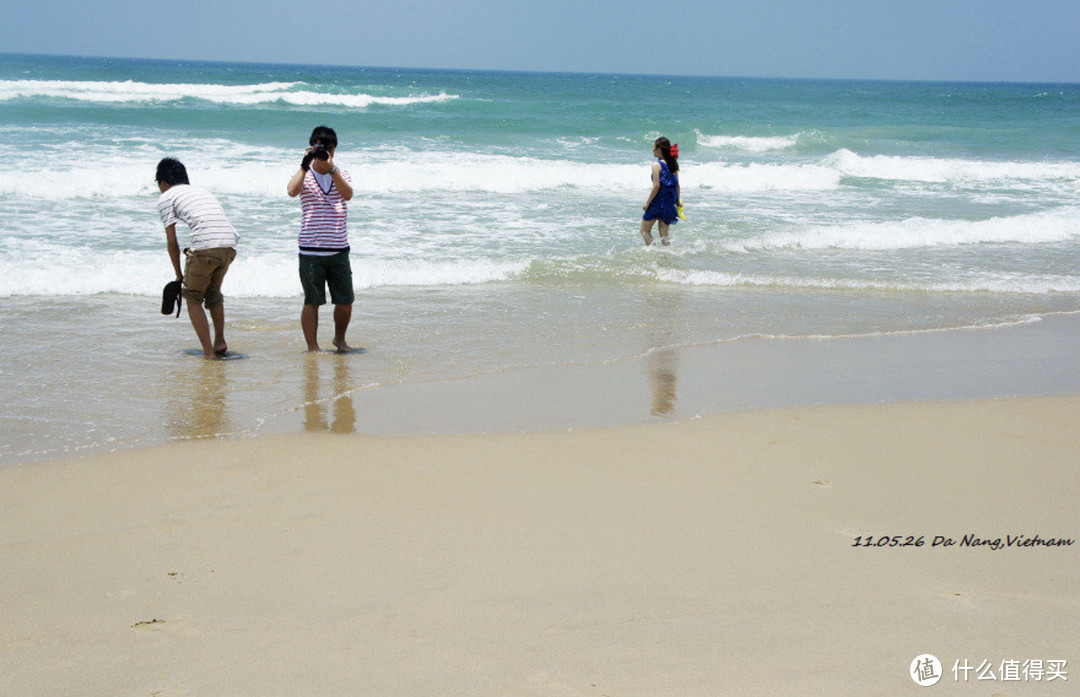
678 211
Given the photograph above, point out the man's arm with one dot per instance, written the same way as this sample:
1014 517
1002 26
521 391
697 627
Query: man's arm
296 184
174 251
343 186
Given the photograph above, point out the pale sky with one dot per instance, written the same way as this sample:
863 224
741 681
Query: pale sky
982 40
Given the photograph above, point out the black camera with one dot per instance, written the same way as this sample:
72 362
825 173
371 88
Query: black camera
320 152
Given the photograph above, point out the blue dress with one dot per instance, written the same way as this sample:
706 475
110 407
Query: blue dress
663 205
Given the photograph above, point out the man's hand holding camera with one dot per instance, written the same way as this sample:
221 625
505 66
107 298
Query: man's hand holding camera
321 157
318 152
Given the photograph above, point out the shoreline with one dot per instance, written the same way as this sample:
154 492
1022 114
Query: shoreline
706 556
672 383
66 405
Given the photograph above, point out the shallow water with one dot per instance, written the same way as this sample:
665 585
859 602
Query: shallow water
108 372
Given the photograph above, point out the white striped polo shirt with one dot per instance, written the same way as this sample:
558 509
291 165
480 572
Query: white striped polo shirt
323 227
203 213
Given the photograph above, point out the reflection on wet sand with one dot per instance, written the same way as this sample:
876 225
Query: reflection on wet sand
663 322
662 376
343 414
197 406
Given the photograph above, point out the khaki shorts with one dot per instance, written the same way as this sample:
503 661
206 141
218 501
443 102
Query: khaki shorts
204 270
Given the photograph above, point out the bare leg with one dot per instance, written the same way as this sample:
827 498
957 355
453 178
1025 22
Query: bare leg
664 233
202 327
646 231
217 316
309 322
342 315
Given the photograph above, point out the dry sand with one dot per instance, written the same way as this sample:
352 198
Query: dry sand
707 557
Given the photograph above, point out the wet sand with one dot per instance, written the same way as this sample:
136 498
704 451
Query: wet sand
110 383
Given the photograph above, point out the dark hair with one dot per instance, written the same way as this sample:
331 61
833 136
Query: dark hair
665 151
324 135
171 171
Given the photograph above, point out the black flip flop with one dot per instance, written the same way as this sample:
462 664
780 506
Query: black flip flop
170 298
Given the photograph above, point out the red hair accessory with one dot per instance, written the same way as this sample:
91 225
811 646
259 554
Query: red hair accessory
675 150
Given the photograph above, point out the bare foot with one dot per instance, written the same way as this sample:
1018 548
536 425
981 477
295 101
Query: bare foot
342 347
222 349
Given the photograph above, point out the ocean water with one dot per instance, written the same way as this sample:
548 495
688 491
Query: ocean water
495 227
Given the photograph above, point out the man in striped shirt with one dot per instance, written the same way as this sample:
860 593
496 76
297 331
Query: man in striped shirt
324 189
210 251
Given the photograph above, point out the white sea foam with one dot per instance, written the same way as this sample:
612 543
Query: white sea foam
747 143
940 170
754 177
412 172
115 180
408 173
131 92
99 171
984 282
912 233
252 275
446 273
274 276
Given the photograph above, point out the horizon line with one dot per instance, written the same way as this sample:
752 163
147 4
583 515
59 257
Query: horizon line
522 71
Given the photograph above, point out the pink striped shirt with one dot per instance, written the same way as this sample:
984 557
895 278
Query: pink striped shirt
323 227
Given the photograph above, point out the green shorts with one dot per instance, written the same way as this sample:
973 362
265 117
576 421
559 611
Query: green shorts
318 272
204 270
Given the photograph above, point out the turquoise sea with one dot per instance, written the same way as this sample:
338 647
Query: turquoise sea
494 229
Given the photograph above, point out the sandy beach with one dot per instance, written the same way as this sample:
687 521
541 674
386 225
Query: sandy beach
714 556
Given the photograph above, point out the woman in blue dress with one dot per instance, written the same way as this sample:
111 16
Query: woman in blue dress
664 197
